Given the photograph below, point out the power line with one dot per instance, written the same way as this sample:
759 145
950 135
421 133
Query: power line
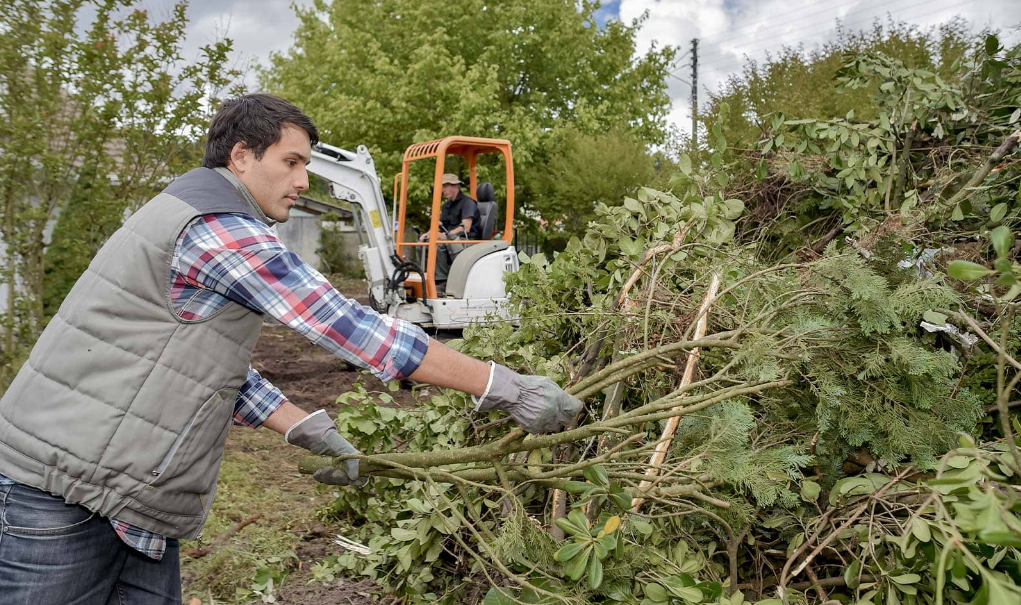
891 6
780 28
759 42
751 26
762 44
677 69
901 13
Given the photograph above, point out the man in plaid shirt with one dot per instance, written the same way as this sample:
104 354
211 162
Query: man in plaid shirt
55 550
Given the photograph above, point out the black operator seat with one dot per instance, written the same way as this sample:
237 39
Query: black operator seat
486 199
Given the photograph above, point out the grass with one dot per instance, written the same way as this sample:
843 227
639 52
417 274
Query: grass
258 476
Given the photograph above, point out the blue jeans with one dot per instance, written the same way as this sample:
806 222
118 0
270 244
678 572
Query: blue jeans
53 553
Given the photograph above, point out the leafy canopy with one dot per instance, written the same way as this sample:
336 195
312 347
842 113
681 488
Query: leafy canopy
391 73
804 85
96 113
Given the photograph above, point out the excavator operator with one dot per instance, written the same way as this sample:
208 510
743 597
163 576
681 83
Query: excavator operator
459 219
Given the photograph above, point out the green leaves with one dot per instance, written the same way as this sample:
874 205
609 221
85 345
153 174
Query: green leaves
597 474
684 164
620 498
574 523
908 578
633 205
595 573
577 487
966 270
101 94
992 44
586 551
575 567
682 587
403 535
656 593
1002 239
641 526
568 551
920 530
809 490
630 247
731 209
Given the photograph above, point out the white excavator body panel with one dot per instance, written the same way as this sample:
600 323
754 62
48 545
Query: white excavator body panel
481 295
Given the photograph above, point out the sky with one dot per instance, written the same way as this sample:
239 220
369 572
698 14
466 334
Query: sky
729 31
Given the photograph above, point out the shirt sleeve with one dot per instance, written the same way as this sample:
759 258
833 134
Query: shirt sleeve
242 259
256 400
468 209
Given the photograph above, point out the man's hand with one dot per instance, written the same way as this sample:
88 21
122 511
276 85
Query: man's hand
317 433
535 402
424 237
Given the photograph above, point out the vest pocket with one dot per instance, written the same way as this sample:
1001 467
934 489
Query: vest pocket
191 465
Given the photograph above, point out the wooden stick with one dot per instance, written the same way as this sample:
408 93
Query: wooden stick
559 508
976 179
196 553
679 238
659 455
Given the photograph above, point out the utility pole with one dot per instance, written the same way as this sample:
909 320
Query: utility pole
694 94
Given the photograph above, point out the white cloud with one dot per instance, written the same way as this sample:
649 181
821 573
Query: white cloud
730 30
256 27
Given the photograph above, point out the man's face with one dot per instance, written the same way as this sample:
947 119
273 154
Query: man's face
450 191
279 176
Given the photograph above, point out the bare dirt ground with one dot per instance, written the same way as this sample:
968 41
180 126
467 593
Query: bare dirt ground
259 477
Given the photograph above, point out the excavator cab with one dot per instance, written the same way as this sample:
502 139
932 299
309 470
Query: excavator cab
400 284
465 278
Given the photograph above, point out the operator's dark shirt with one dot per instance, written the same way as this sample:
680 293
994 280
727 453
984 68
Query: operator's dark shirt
456 210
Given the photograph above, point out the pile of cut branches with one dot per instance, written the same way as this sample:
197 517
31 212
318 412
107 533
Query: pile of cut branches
832 426
755 385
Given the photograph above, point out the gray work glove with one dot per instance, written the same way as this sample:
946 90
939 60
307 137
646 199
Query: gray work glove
317 433
535 402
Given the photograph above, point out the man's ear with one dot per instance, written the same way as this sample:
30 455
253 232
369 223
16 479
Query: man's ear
240 155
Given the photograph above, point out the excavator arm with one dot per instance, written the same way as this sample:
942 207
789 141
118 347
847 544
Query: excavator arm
352 178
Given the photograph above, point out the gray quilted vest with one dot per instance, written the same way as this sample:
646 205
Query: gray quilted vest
123 407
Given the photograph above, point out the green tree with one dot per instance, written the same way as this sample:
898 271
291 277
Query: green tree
96 113
390 73
588 170
855 139
804 85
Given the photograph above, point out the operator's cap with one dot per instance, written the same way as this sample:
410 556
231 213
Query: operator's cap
451 179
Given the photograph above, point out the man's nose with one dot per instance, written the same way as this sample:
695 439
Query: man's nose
302 183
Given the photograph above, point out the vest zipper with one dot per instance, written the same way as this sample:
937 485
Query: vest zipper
156 472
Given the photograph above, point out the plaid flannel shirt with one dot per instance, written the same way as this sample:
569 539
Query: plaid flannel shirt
234 257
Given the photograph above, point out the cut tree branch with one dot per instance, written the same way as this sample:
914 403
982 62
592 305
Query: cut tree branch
659 455
993 161
219 541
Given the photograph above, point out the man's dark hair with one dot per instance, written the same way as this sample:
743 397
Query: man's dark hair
255 120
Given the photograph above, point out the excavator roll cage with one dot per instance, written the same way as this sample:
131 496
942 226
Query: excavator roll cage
468 148
397 285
